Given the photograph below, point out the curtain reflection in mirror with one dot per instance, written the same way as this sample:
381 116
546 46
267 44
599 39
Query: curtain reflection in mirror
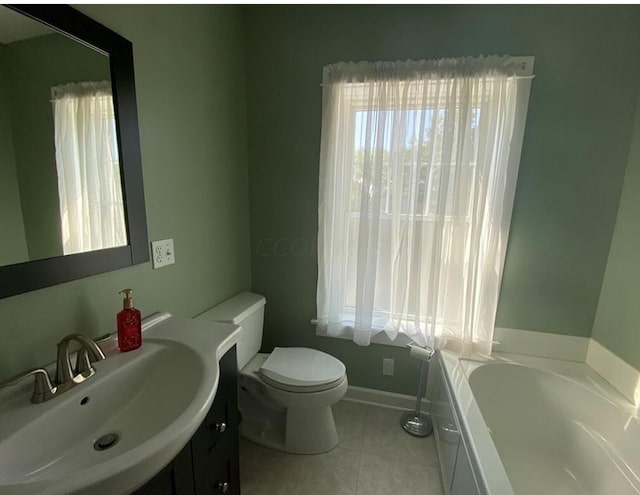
89 185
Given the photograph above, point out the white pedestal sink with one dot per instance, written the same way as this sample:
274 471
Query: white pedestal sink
152 400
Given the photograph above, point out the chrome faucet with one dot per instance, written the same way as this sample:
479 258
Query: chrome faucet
66 376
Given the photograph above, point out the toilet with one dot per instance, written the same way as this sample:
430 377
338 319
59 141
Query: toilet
284 397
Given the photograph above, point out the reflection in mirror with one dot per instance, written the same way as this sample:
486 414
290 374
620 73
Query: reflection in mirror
90 196
39 68
60 184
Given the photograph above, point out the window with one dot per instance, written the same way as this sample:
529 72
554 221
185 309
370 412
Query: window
417 173
89 185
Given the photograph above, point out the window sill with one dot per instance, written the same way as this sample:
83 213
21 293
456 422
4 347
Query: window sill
402 340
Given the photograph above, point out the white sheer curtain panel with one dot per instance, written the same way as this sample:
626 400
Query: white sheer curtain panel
89 186
418 167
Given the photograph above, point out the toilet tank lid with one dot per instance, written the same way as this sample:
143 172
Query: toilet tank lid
235 309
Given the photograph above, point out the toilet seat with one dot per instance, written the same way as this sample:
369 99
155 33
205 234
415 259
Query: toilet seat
302 390
298 369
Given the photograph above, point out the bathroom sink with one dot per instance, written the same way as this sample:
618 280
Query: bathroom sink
119 428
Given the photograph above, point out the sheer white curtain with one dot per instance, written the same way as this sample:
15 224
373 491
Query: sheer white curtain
418 168
89 186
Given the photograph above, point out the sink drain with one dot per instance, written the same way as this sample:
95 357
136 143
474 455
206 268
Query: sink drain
106 442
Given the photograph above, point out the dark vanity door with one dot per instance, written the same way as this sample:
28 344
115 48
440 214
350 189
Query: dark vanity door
214 446
208 464
175 479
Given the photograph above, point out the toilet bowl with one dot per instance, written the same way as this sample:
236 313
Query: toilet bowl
285 396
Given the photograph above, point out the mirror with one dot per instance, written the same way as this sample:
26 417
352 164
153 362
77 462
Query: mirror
59 166
71 197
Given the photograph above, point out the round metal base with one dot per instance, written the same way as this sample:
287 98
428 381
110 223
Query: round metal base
416 425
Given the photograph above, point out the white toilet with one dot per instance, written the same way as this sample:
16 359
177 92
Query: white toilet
284 397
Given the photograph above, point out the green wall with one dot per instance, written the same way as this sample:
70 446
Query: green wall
33 67
14 246
190 82
573 160
617 322
201 187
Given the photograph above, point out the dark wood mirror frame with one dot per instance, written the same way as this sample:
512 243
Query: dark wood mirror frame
32 275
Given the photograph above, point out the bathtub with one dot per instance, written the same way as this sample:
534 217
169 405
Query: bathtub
520 425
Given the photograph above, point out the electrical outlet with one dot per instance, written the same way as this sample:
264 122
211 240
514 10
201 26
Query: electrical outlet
387 366
162 253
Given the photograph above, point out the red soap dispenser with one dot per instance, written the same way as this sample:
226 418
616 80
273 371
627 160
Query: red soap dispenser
129 324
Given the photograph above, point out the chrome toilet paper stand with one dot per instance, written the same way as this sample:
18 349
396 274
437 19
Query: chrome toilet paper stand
415 422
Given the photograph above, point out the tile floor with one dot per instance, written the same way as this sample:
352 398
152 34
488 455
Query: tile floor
374 457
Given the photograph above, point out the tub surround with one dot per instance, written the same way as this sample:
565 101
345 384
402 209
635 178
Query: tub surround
621 375
513 407
567 347
558 426
617 322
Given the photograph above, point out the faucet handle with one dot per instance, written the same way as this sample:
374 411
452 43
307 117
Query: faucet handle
84 359
64 373
83 363
42 390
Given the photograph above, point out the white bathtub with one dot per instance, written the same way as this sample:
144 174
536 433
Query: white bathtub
535 426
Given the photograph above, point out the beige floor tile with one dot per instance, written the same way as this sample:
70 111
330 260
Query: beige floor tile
381 476
265 472
383 436
374 457
349 418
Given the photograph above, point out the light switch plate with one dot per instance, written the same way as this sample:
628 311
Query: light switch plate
162 253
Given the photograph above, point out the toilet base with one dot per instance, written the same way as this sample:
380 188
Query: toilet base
268 432
295 431
304 426
310 430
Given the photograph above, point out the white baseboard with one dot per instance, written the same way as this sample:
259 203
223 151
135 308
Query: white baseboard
383 399
620 374
549 345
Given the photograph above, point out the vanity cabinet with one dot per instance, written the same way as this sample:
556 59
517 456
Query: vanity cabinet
457 474
208 464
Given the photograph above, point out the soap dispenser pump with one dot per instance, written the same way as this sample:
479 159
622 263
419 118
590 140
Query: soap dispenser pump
129 324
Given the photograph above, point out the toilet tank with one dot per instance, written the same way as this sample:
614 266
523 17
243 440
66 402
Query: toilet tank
247 310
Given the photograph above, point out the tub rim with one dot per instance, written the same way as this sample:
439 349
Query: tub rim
491 475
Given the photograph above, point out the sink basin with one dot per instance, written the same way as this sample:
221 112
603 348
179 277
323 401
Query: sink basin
119 428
